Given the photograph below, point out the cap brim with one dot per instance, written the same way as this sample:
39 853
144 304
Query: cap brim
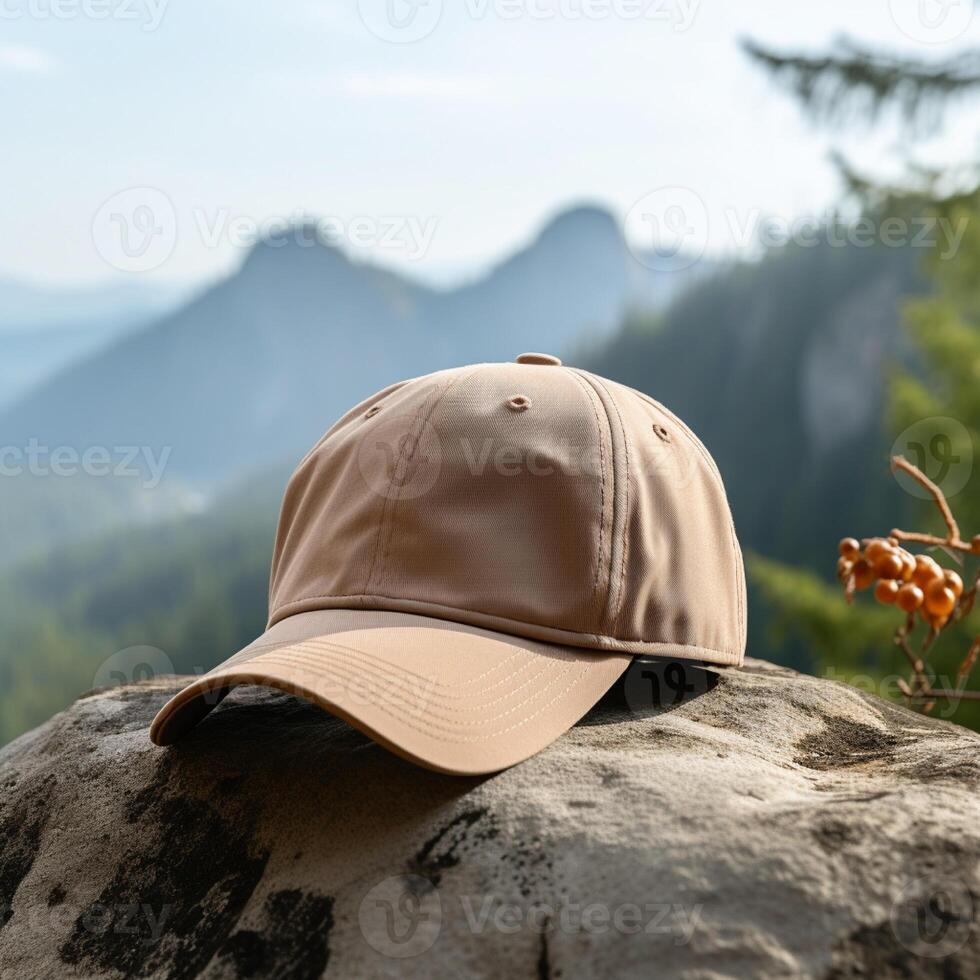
450 697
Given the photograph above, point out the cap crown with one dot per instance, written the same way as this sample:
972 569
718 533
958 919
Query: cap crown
529 498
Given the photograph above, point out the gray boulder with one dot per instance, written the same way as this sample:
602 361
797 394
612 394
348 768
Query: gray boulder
775 825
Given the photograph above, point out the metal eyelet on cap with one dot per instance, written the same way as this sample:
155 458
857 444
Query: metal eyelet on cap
532 358
372 411
518 403
661 432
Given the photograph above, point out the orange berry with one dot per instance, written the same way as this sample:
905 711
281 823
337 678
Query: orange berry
889 565
849 548
909 598
864 574
954 582
908 565
936 622
940 600
926 569
886 591
876 548
844 568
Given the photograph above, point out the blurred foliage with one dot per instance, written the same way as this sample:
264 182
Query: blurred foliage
195 588
945 328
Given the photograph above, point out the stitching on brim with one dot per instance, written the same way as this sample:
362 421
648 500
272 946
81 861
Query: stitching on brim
374 668
402 704
260 651
483 736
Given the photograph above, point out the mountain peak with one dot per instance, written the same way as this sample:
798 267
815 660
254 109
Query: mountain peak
300 243
581 221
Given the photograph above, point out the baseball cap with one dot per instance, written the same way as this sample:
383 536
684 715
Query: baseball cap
467 561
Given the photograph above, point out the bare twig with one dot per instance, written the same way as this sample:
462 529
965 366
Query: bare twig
932 539
968 661
901 463
938 692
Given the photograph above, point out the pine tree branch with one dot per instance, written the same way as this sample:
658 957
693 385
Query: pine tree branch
857 84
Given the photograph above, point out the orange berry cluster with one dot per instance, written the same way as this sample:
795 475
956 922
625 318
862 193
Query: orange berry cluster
914 583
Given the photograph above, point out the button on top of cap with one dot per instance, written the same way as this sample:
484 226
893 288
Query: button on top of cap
532 358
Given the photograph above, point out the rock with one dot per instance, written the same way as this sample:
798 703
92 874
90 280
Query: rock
777 825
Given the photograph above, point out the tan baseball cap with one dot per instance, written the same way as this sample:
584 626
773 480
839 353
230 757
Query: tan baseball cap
466 562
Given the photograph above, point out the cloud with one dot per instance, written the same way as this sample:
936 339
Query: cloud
29 61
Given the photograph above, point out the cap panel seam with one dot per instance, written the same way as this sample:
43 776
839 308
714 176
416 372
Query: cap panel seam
349 416
614 593
713 468
621 590
391 500
591 396
458 379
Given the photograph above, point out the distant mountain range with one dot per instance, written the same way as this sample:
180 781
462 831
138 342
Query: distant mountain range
44 329
34 306
257 367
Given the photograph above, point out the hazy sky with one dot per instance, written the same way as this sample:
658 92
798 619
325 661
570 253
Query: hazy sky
435 135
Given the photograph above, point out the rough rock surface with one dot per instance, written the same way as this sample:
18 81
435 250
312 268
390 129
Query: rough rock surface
777 825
